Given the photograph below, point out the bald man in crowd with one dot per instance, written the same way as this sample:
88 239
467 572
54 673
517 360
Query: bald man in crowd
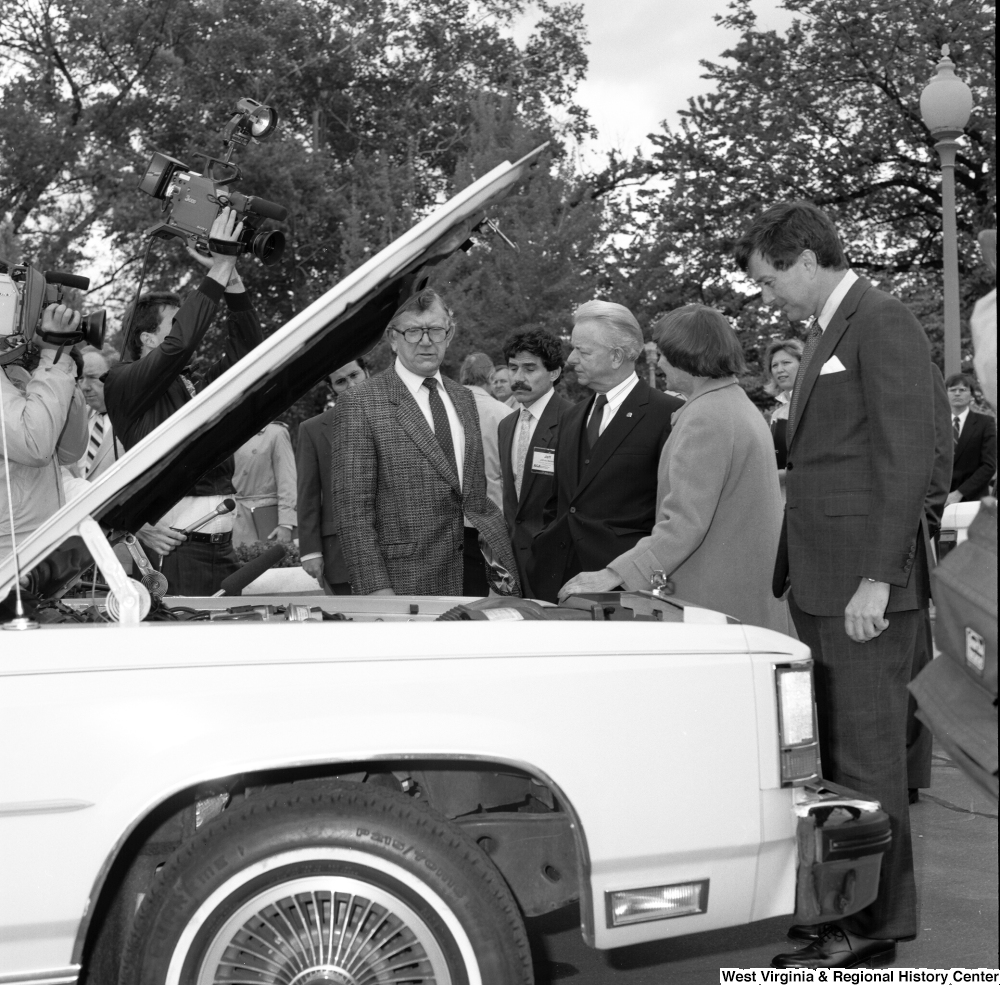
603 500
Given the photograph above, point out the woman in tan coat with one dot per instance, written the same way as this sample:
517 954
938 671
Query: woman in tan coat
719 518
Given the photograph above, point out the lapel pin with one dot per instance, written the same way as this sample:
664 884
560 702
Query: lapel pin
629 414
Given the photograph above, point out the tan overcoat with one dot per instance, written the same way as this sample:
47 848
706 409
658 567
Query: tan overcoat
719 514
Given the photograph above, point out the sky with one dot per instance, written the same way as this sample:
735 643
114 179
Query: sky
644 58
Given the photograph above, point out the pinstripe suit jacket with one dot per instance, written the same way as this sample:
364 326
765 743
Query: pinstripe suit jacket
860 460
399 504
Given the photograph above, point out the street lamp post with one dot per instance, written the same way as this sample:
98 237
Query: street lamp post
945 105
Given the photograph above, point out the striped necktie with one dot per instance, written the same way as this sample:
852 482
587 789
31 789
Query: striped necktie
94 442
957 425
523 440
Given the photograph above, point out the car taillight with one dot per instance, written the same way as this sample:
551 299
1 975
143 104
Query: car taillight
798 738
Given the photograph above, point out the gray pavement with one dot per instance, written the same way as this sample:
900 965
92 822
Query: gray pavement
955 850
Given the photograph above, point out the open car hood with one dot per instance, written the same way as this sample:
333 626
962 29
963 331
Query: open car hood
340 326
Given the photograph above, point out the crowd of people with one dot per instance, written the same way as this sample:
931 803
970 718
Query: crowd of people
413 483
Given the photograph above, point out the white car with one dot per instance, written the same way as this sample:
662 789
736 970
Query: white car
355 790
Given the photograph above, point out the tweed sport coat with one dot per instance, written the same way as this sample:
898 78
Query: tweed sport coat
399 503
860 460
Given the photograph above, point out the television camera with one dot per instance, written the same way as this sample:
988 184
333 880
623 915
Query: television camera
192 200
25 292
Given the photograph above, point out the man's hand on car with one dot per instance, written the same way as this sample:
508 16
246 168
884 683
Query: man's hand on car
60 319
314 568
160 538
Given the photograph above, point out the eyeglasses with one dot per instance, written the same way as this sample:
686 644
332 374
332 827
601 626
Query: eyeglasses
414 335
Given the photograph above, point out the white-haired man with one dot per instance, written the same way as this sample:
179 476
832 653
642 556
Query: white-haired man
603 500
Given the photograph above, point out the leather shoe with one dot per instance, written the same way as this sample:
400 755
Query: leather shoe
835 948
805 933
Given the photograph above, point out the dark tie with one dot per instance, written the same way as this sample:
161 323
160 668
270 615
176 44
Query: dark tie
596 416
958 428
812 340
442 429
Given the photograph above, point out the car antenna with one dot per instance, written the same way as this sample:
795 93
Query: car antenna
20 620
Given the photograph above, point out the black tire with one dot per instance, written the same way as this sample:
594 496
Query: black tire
338 879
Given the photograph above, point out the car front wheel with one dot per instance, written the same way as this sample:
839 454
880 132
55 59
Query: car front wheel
342 884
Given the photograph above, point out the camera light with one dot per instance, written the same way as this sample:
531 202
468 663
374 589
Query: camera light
262 119
656 903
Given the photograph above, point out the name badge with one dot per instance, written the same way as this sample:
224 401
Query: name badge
543 461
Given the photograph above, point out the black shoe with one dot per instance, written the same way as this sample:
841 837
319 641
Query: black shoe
805 933
836 949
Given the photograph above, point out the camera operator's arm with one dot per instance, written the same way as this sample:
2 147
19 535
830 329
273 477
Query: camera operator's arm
243 330
37 415
132 388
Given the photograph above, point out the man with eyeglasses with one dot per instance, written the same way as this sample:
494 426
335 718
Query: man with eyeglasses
409 479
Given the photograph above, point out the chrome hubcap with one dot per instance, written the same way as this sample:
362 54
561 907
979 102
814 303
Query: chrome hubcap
324 930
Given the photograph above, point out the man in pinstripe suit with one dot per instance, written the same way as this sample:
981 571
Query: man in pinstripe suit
408 475
854 547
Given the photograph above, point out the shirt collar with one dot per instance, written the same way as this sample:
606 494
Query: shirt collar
961 417
833 301
617 392
411 380
538 407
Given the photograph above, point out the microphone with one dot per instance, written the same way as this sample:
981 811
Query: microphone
226 506
238 580
258 206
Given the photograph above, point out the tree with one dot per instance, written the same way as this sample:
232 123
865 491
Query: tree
376 96
829 112
382 103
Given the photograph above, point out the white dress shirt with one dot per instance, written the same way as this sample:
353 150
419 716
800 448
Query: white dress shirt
415 384
616 397
833 301
535 412
961 419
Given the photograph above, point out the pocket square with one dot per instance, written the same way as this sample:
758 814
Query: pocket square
833 365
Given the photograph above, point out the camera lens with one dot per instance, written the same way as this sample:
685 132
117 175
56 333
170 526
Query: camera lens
269 246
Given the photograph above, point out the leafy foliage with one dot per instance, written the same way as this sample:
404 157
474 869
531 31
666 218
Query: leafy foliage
827 111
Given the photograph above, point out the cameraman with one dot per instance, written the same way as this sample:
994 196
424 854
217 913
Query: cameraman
45 418
147 387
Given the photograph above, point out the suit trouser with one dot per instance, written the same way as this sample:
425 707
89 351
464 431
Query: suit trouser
474 583
919 739
861 702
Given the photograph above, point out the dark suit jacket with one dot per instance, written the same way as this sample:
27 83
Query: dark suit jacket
860 460
975 456
399 504
316 513
524 514
937 491
601 506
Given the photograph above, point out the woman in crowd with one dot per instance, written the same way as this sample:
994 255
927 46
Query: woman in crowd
719 516
781 365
